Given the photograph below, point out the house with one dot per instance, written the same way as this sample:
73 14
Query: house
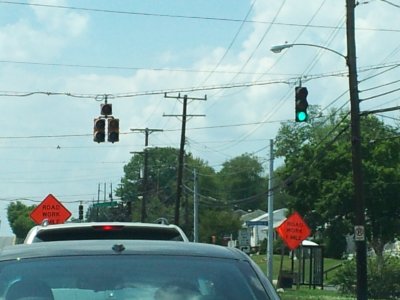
257 227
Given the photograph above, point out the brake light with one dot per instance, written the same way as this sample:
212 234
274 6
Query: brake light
108 227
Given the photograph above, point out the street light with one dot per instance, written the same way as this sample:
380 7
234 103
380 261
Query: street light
359 221
279 48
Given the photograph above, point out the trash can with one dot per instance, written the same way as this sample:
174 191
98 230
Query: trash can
285 279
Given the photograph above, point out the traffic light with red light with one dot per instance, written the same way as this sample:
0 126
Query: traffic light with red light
113 130
301 104
106 109
99 130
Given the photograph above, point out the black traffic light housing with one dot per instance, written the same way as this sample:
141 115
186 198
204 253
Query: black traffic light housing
80 212
99 130
106 109
113 130
301 104
106 120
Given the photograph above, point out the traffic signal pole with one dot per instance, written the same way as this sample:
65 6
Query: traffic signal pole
359 202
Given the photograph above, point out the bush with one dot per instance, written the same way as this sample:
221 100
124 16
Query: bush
383 280
263 247
277 247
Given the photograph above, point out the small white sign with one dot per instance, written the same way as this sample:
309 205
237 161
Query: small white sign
244 237
359 233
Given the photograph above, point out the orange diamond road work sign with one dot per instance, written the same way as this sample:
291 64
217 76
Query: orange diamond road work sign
50 209
293 231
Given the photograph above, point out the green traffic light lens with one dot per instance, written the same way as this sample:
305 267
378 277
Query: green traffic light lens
302 116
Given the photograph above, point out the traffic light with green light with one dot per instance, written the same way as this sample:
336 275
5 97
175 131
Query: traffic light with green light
301 104
99 130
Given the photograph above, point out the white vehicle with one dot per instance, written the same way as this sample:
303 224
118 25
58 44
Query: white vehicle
105 231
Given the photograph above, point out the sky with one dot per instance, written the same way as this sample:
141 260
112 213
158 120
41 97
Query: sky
60 59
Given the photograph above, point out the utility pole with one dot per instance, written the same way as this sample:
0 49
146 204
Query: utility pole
270 252
147 132
181 149
359 224
98 201
195 208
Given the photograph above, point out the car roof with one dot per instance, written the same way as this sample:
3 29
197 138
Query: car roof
112 247
86 225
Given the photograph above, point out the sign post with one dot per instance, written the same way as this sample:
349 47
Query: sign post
293 231
50 209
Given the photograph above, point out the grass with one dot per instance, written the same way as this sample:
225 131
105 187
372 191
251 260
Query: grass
261 260
304 292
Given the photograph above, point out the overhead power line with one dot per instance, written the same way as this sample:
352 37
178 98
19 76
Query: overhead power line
205 18
391 3
288 81
380 95
120 67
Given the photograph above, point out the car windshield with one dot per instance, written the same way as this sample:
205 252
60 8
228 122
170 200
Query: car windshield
107 232
155 277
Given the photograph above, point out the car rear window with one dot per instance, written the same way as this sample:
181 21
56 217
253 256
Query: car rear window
133 277
107 232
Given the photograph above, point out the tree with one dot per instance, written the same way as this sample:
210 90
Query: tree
319 176
161 187
117 213
242 184
18 218
220 224
161 183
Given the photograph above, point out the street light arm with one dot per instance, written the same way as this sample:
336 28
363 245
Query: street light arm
279 48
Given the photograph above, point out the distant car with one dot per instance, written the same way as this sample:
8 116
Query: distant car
105 230
130 269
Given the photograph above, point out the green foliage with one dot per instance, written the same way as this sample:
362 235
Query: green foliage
383 280
263 247
239 184
335 241
278 246
18 217
161 184
107 214
219 224
241 178
305 293
317 176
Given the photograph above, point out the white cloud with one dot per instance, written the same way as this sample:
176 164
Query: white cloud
65 36
43 37
59 21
